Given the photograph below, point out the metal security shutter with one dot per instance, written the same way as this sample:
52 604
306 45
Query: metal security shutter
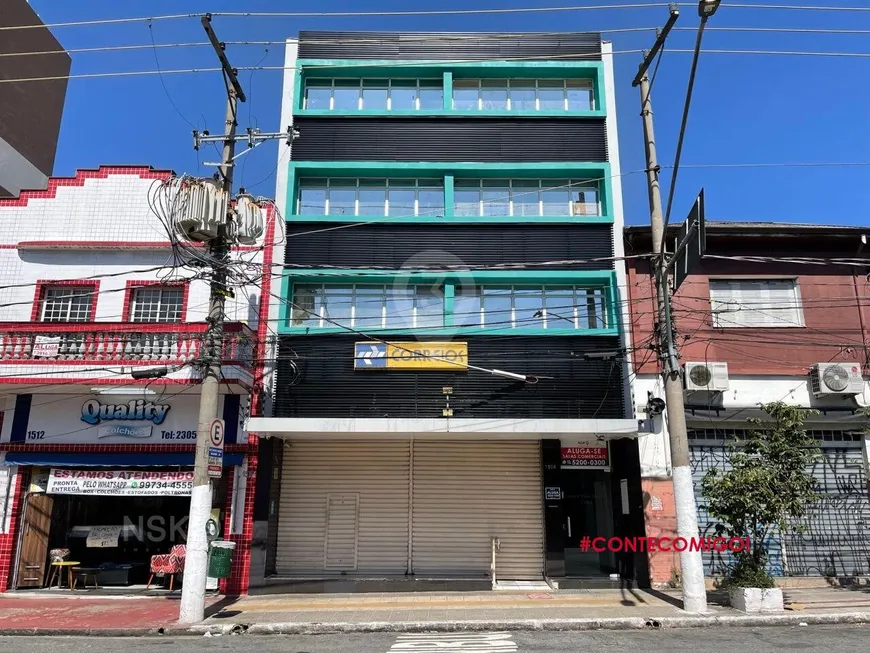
466 492
339 495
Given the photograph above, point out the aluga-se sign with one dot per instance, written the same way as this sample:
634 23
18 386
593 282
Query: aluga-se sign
93 412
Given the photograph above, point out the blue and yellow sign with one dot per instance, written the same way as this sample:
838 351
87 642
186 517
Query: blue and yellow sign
416 356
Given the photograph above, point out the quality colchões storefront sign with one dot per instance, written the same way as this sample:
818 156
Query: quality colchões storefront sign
88 419
120 482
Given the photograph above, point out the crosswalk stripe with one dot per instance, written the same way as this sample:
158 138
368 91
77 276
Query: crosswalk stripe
497 642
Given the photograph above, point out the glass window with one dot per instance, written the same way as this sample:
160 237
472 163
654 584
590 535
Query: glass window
337 305
307 304
528 307
367 306
156 304
318 93
401 195
400 306
555 197
374 94
580 97
525 197
466 197
430 197
403 95
372 197
551 95
342 197
369 303
466 306
493 94
496 307
584 199
67 304
522 94
312 197
431 95
756 303
496 197
429 307
346 95
559 309
465 94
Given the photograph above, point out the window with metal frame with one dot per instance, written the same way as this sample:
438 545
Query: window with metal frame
527 306
157 304
366 306
67 304
755 303
523 95
526 197
374 94
370 197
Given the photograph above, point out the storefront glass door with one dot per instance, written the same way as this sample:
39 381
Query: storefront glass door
588 511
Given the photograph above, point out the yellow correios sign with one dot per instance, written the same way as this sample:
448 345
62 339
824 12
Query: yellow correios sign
411 356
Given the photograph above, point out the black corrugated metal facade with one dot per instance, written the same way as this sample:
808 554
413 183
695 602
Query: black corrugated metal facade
469 46
493 140
328 386
475 246
315 373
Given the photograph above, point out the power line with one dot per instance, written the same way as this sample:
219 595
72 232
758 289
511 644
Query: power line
184 71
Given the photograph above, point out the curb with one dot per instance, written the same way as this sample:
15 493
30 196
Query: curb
556 625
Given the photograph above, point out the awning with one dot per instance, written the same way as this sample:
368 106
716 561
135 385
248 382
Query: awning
833 420
442 429
109 459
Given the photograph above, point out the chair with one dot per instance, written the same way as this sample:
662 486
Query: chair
168 563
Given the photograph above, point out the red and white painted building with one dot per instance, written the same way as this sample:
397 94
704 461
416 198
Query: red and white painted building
773 312
89 294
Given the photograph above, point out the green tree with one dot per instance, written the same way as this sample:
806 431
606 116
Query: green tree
768 487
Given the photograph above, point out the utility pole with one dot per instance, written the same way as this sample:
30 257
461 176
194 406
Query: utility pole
691 563
196 558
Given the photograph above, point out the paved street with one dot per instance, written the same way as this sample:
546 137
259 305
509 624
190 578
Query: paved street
832 639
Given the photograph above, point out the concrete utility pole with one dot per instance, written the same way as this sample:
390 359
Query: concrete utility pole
691 563
196 559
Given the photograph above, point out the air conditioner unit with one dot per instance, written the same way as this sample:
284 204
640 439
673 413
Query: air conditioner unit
706 377
837 379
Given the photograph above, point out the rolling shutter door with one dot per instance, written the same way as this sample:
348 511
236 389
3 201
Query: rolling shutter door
466 492
344 507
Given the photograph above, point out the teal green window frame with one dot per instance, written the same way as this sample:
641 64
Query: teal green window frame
449 72
449 172
604 278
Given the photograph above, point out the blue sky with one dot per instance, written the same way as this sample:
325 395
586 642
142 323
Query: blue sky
748 109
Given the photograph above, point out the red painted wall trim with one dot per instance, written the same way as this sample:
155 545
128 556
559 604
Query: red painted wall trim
109 245
83 447
143 172
42 284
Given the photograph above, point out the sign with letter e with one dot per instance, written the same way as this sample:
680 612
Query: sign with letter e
216 448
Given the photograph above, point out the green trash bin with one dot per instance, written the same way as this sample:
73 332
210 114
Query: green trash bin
220 560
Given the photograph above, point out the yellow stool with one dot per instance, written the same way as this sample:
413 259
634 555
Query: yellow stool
57 568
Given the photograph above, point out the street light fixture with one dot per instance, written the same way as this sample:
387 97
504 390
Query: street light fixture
707 8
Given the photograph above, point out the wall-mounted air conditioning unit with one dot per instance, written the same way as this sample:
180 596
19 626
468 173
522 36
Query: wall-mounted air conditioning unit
837 379
706 377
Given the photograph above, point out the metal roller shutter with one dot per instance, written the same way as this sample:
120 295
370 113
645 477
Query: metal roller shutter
466 492
344 507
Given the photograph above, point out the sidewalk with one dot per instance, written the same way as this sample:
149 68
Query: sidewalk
412 612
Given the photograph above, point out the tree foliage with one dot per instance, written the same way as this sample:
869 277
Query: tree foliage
769 487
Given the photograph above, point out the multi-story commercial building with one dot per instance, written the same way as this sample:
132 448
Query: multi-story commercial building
774 312
451 394
94 458
30 110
